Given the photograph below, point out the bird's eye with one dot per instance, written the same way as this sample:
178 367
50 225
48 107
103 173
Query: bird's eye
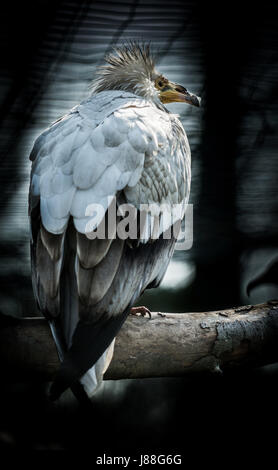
160 83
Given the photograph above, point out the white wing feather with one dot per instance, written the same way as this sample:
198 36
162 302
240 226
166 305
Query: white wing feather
112 142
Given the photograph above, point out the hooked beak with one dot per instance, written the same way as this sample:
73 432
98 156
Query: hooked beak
177 93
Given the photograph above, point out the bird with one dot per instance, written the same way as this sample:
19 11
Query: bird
120 147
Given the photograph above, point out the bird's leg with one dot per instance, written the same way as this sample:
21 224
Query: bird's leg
140 311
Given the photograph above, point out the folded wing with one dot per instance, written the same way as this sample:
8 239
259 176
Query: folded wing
134 154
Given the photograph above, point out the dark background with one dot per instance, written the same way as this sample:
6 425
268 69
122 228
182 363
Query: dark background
226 52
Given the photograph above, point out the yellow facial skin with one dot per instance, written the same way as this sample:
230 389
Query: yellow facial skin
170 92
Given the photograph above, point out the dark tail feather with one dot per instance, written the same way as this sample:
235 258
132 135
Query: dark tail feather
77 389
89 342
81 396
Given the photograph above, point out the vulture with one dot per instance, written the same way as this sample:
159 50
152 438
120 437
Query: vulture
119 152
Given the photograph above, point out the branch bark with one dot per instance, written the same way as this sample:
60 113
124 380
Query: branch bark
166 345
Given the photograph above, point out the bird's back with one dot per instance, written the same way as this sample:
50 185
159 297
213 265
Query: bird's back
114 148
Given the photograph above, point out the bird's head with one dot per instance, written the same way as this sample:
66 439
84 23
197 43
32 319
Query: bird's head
170 92
132 68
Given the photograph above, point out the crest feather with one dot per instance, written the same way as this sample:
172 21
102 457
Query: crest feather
129 53
125 68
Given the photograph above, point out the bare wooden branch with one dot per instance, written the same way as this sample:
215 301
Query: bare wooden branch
166 345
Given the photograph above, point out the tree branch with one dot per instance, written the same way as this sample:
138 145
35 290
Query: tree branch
166 345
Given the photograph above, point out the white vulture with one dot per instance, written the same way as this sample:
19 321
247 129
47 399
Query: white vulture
119 146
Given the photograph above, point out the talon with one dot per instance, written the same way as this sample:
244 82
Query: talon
142 311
